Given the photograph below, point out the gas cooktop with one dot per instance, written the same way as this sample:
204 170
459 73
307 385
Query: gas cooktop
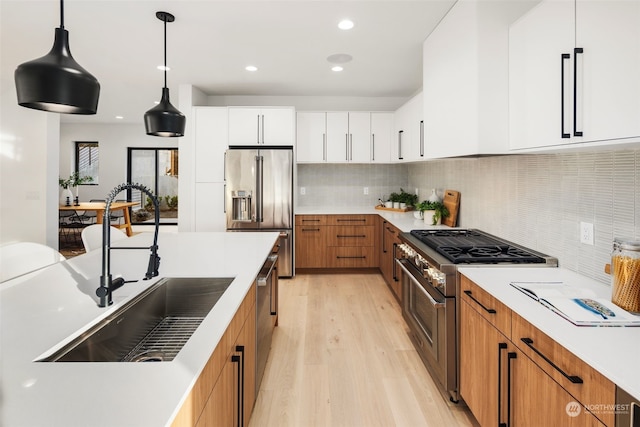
474 246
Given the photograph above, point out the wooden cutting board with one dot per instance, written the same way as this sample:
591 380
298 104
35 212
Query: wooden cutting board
452 202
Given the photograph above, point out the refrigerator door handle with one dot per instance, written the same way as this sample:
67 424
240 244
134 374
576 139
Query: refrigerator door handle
259 188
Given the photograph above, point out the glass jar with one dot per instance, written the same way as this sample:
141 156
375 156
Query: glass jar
625 270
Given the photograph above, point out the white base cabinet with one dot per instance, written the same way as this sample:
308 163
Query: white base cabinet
573 74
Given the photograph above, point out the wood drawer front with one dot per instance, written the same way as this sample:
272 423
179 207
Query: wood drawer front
350 257
352 219
350 235
311 220
595 389
496 313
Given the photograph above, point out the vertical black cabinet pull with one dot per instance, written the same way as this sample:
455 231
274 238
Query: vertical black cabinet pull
395 269
577 51
236 359
421 138
488 310
573 378
239 359
510 357
501 346
400 144
563 57
384 245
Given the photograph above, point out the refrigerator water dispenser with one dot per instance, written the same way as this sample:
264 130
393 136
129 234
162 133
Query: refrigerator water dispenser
241 205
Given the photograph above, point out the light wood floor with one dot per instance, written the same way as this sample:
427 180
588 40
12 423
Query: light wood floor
341 357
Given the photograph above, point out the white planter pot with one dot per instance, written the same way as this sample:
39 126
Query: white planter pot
428 218
403 205
396 205
64 194
388 204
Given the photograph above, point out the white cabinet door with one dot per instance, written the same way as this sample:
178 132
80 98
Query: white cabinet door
210 143
257 126
538 71
337 137
381 137
209 206
608 104
359 137
277 126
408 135
311 137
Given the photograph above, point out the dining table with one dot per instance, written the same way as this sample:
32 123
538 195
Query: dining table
99 207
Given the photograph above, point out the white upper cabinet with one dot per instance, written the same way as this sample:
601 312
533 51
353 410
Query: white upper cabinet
465 79
381 137
261 125
311 141
573 74
343 137
408 144
210 125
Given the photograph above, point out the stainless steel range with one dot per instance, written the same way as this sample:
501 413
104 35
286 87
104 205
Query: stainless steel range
430 260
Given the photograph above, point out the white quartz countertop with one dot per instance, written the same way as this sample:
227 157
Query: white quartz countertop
613 351
40 310
405 221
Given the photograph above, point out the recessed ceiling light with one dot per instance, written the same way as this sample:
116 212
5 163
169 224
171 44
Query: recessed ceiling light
251 68
337 68
345 24
119 117
162 68
339 58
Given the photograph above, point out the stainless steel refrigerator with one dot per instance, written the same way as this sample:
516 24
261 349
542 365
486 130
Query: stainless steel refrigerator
259 195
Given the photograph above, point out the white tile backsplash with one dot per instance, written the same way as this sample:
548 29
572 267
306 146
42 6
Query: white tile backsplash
535 200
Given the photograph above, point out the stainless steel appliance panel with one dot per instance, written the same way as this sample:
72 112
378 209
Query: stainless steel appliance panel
267 283
627 409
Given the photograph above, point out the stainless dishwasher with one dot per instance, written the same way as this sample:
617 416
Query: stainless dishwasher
266 313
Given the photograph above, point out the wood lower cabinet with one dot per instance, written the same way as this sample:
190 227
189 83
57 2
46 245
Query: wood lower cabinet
388 241
224 394
504 381
335 241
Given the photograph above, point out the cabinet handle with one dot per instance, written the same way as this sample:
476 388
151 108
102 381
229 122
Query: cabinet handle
310 229
236 359
573 378
258 129
510 356
421 138
342 236
350 147
311 220
262 128
346 146
384 245
576 51
394 269
501 346
373 147
488 310
400 132
563 57
324 147
240 349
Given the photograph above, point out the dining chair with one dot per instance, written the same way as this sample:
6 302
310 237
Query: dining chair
92 236
69 222
117 215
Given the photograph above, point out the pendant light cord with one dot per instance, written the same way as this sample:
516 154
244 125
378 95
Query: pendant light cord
165 51
61 13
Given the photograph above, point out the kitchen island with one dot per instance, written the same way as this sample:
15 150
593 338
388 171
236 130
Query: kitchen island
612 351
43 310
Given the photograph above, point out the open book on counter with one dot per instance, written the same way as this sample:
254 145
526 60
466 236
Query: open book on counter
582 307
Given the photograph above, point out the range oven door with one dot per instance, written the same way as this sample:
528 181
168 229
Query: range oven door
431 320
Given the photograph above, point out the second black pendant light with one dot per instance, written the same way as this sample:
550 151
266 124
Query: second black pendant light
164 119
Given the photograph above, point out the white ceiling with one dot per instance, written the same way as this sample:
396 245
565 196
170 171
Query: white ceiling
209 44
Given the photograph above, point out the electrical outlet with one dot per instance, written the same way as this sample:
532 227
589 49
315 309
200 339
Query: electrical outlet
366 191
586 233
303 191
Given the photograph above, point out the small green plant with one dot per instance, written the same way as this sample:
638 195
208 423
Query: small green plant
74 180
408 198
148 205
172 202
440 210
394 197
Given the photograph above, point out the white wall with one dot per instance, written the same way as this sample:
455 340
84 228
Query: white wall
28 171
113 142
313 103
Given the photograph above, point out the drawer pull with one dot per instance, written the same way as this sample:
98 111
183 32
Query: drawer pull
348 257
573 378
488 310
310 220
310 229
351 235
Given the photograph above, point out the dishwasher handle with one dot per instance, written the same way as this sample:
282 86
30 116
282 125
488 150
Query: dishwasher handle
267 270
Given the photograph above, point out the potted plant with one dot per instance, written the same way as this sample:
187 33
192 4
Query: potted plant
433 212
408 199
395 199
74 180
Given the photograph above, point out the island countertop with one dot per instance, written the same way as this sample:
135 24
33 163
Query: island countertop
612 351
47 308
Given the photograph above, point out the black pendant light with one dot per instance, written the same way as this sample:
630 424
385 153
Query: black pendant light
56 82
164 119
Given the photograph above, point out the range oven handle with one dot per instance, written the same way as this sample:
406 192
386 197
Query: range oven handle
433 302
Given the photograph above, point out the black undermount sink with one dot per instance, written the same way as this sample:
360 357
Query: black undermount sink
152 327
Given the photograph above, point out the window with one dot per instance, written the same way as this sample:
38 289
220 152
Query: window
87 160
157 169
